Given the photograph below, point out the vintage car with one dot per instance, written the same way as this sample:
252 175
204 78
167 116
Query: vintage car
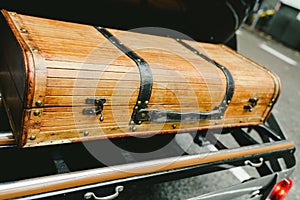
95 100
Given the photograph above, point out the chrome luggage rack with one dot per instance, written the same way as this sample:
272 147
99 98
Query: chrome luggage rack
263 148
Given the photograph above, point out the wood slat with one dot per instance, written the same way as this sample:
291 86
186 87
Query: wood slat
81 63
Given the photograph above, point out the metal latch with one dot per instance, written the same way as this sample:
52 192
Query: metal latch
97 110
259 164
252 103
91 195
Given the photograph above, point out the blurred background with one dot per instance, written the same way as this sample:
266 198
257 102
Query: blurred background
280 19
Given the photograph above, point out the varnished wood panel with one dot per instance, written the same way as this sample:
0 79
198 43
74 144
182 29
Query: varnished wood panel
74 62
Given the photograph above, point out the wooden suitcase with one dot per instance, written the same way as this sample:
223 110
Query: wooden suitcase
64 82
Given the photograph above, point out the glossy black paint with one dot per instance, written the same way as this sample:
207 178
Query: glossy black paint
211 20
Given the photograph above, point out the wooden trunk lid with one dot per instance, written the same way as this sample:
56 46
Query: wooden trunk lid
58 69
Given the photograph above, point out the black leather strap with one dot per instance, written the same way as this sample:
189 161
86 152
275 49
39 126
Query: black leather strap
162 116
146 79
229 79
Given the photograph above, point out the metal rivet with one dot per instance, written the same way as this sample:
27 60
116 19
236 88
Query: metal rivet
139 60
133 129
38 103
146 102
262 119
36 113
86 133
101 118
177 39
228 102
23 30
174 126
139 102
139 122
33 137
273 100
132 122
143 115
270 104
35 50
136 107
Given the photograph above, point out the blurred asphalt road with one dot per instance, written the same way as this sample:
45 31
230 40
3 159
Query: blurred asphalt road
286 63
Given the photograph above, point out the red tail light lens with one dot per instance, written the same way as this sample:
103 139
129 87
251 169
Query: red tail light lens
281 189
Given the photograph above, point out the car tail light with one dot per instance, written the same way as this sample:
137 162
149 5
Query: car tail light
281 189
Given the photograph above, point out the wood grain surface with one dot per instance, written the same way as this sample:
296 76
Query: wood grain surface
72 62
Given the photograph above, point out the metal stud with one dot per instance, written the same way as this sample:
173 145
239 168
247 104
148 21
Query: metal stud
23 30
35 50
270 104
146 102
136 107
228 102
174 126
133 129
143 115
86 133
139 122
32 137
101 118
132 122
38 103
139 103
36 113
